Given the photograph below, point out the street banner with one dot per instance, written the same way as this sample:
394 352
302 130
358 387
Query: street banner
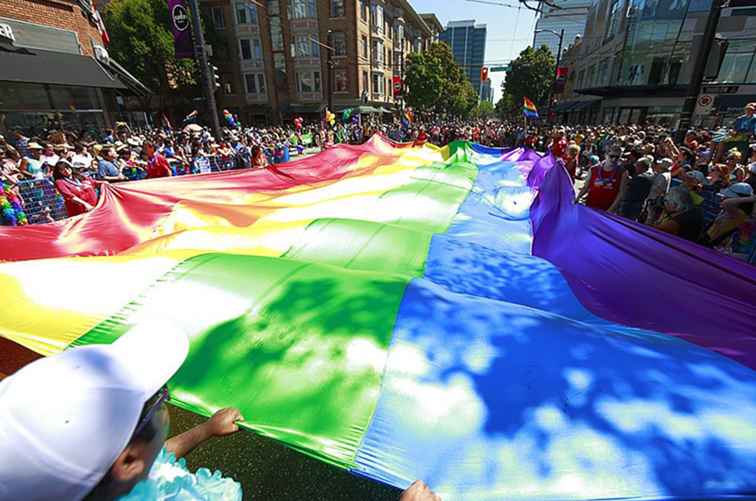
181 27
397 84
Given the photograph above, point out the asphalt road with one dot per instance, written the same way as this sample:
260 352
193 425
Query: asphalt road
268 470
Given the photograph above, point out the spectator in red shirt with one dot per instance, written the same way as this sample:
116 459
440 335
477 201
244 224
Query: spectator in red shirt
79 197
157 165
603 186
559 144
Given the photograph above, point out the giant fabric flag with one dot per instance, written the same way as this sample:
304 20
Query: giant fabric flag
404 313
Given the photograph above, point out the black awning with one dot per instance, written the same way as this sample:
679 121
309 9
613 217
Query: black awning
635 91
55 68
305 108
731 101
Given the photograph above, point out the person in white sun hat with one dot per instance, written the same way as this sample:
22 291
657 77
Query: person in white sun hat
90 422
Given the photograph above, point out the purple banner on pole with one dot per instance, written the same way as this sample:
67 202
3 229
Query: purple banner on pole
181 26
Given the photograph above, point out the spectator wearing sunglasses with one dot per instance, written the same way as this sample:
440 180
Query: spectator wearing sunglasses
603 186
91 421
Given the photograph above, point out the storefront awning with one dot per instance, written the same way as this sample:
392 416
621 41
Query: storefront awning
305 108
55 68
734 101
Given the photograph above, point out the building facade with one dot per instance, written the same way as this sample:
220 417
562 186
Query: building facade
468 44
636 59
570 16
54 68
281 58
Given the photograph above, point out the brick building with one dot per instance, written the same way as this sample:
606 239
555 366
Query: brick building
55 70
291 57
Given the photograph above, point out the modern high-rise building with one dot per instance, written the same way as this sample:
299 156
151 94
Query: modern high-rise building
570 16
291 57
634 65
468 44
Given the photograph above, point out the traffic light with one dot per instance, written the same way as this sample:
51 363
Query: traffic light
215 81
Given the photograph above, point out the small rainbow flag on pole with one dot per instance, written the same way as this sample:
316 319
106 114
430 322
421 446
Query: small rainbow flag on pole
529 109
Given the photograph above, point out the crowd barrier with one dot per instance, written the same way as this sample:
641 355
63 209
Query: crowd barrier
42 202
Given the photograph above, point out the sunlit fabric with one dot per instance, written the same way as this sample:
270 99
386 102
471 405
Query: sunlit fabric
442 314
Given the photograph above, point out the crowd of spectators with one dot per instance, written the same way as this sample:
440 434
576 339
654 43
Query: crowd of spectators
699 187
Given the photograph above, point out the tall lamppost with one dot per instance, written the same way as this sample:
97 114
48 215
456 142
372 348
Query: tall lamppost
329 67
560 34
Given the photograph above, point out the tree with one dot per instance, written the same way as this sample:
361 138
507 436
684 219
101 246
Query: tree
505 107
436 83
531 76
484 110
141 41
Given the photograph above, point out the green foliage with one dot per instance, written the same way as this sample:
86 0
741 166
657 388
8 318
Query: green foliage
141 41
506 107
531 76
436 83
484 110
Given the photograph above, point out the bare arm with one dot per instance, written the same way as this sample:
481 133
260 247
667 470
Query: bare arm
584 190
223 422
668 226
621 192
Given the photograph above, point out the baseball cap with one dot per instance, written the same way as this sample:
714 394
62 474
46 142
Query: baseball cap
64 419
737 190
697 175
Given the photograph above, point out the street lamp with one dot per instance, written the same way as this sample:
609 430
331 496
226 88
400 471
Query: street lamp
558 60
329 66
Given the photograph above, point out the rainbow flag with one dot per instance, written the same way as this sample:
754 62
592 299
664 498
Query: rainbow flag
402 313
529 109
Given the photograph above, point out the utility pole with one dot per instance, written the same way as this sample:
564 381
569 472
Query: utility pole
697 75
204 69
558 60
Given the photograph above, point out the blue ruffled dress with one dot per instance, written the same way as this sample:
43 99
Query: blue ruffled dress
170 480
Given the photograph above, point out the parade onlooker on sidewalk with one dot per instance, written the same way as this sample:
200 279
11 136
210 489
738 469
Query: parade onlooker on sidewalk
157 165
79 196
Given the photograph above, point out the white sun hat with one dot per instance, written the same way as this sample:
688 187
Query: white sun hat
64 419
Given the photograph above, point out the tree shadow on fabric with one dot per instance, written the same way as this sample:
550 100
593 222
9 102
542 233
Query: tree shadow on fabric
303 363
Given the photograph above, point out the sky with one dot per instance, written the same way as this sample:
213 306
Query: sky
510 30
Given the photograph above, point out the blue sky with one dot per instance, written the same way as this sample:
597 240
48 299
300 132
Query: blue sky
510 30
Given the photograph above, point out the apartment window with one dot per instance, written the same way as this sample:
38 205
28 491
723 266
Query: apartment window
612 23
377 18
273 8
340 80
377 52
250 49
378 84
364 47
219 21
308 82
255 83
279 62
246 13
245 46
365 82
337 8
337 40
276 33
739 64
302 9
363 10
305 46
